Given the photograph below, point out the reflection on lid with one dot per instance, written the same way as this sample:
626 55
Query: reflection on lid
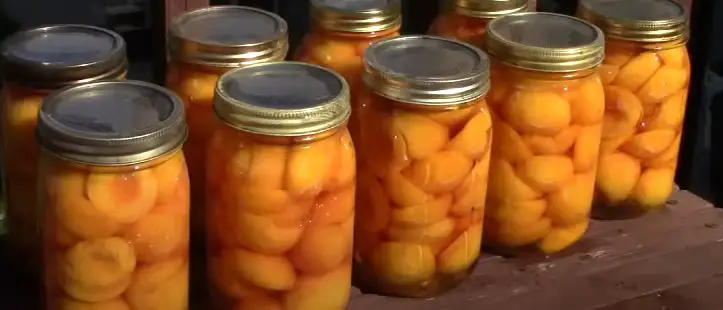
354 5
425 58
538 30
231 27
284 87
62 45
643 10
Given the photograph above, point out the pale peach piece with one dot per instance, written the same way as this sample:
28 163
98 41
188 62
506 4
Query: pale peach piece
334 207
473 139
157 236
587 104
515 235
546 173
553 145
462 253
670 113
471 193
309 167
265 271
263 234
504 184
454 118
422 136
666 157
538 112
112 304
124 197
440 172
259 303
664 83
611 145
373 210
585 153
571 204
329 291
256 199
508 143
654 187
649 144
98 262
608 73
623 112
344 171
237 164
198 87
403 192
168 174
617 175
152 289
335 54
674 57
94 294
402 263
561 237
424 214
224 278
429 234
267 168
637 71
518 212
321 248
618 54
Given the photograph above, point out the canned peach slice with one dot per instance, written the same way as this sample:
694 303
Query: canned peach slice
505 183
462 253
177 203
610 145
608 73
454 118
149 278
587 104
98 262
123 197
649 144
321 248
585 152
538 112
664 83
516 235
263 234
94 294
265 271
403 263
669 114
157 236
472 140
308 167
508 143
22 116
422 136
429 234
617 175
423 214
75 212
440 172
471 193
171 294
198 87
403 192
256 199
654 187
674 57
328 291
222 273
338 55
259 303
623 111
546 173
518 211
561 237
637 71
169 174
333 207
552 145
372 210
619 54
571 203
112 304
344 165
268 166
666 157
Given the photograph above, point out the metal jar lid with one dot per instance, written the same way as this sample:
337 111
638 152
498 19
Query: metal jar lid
486 9
228 36
426 70
282 99
111 123
545 42
653 21
358 16
56 56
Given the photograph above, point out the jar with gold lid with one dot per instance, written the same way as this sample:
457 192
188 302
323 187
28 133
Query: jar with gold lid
548 103
114 192
645 74
467 20
280 189
36 62
342 30
424 150
204 44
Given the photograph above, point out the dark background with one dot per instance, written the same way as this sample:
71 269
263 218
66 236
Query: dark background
700 167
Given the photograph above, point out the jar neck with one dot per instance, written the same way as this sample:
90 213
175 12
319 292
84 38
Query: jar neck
236 134
353 35
646 45
521 73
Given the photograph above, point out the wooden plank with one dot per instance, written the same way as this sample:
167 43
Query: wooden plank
703 294
617 261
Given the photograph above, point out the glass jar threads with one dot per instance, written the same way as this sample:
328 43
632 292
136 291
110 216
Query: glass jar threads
424 149
280 189
467 20
36 62
115 194
203 44
548 102
646 72
342 30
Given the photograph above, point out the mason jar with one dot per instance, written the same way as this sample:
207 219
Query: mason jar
114 192
424 151
203 44
466 20
36 62
548 103
280 189
646 73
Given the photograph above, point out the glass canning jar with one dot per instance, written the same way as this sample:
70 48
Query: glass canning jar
203 44
548 103
114 192
645 74
424 150
342 30
280 189
466 20
36 62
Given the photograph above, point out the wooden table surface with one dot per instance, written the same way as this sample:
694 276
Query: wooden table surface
670 260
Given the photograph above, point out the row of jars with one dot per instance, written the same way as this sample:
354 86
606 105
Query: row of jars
449 145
